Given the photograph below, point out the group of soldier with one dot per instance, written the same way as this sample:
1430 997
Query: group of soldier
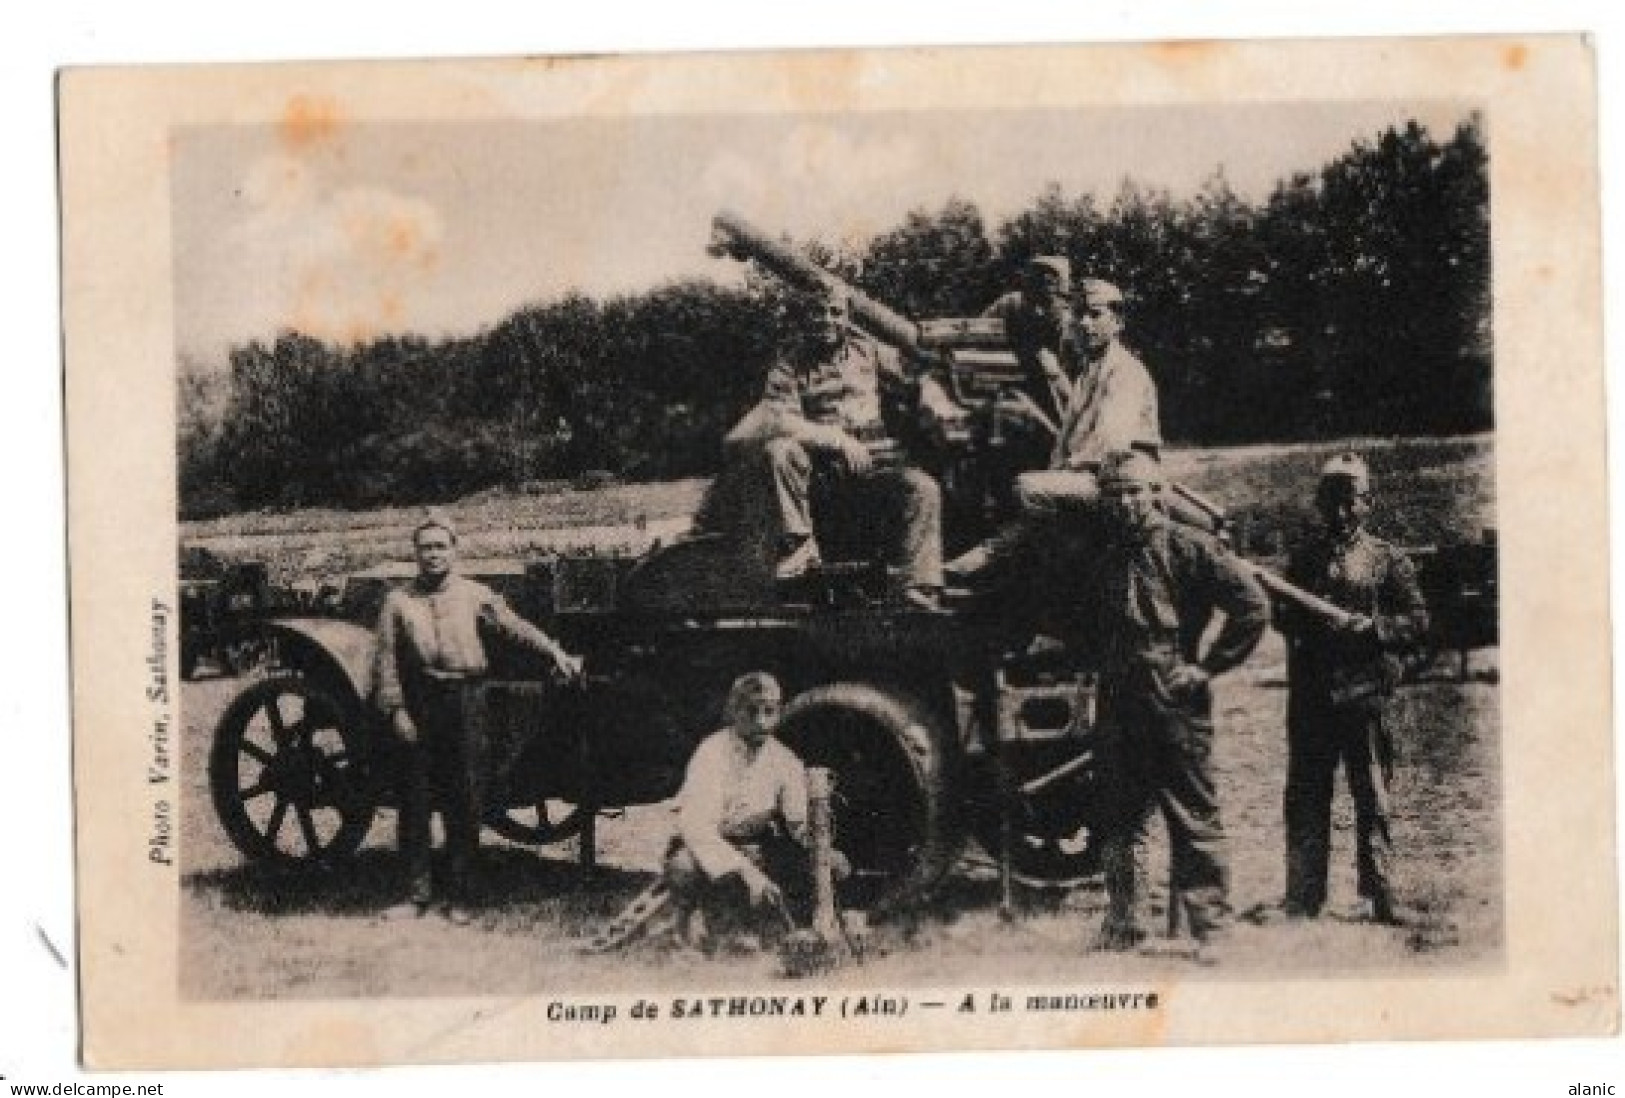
1151 587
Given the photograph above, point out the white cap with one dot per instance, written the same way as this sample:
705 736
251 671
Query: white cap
435 519
1097 291
1348 466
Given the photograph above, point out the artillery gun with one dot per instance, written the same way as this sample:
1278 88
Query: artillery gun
935 725
954 418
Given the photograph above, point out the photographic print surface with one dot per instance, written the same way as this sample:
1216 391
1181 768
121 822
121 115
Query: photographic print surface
542 313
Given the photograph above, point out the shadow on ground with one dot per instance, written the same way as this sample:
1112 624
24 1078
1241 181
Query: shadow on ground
371 881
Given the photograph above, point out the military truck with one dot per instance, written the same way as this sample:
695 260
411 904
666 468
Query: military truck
937 725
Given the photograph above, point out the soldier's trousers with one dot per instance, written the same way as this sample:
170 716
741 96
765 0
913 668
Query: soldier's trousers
1156 753
726 903
446 766
766 492
1051 498
1321 735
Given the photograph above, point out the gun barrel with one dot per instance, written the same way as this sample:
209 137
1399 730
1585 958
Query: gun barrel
732 235
1283 588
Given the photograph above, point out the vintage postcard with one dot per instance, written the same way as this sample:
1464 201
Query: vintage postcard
838 551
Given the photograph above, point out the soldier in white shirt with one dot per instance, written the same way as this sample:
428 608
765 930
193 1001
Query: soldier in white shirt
740 853
1111 406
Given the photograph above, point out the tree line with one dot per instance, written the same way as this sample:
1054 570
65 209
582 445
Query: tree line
1355 300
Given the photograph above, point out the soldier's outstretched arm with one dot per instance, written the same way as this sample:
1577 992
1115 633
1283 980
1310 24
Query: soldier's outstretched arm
500 616
1236 593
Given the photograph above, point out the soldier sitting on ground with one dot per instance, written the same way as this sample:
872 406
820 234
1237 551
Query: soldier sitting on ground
739 861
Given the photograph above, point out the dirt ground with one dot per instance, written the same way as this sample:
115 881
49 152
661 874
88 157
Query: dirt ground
246 935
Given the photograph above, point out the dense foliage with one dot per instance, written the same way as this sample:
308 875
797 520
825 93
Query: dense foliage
1356 300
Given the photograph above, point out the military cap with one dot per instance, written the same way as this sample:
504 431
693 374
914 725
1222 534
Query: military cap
1099 292
433 520
1060 264
1130 467
1348 466
751 685
835 297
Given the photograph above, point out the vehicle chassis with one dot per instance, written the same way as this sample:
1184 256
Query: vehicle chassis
936 725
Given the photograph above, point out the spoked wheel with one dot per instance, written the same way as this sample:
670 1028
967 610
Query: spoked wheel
549 821
288 774
892 819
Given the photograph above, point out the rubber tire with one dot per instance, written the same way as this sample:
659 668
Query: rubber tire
890 758
515 830
225 779
1039 865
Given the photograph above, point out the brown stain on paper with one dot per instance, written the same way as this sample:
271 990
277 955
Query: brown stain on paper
307 122
825 81
1147 1028
1581 996
1185 53
330 1041
1514 58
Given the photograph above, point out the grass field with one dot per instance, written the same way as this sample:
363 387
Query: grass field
250 936
1430 492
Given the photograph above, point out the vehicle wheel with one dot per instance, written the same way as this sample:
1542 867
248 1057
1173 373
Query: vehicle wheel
288 774
1055 835
889 758
551 821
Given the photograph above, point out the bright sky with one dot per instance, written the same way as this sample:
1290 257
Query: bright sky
445 228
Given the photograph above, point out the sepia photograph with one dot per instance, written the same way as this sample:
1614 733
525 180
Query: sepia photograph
932 556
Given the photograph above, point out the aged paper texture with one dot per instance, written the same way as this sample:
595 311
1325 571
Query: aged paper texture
303 302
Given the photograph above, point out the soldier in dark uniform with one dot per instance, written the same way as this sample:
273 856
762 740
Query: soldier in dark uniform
1341 679
1037 321
819 416
1155 591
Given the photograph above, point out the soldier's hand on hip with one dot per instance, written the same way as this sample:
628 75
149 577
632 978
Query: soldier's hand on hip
406 730
1356 625
854 455
1187 678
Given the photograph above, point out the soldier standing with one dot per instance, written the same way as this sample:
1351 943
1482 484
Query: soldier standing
429 657
1342 677
1157 588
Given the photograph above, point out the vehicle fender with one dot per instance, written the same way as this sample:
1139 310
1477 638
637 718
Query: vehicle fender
339 653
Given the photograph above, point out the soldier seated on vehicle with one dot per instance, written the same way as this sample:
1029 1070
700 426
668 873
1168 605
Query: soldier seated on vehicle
1038 321
739 861
818 424
1110 406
